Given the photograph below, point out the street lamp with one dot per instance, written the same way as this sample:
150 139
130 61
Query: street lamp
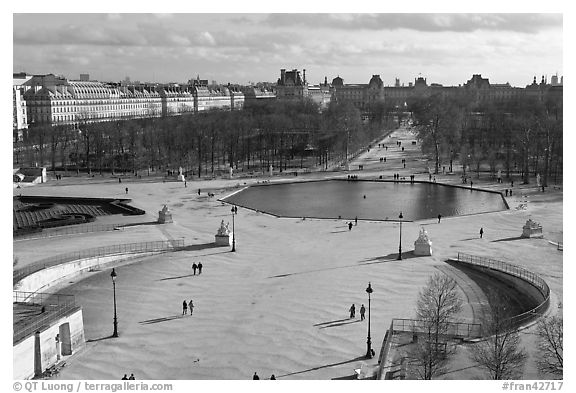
113 275
369 341
234 208
400 244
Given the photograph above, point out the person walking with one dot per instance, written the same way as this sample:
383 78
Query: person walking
198 191
126 190
200 268
132 377
255 376
356 221
439 218
125 377
184 308
273 377
362 311
506 192
352 311
191 307
350 226
194 267
481 232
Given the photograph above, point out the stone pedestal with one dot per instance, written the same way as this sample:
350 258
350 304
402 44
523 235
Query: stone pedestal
224 236
165 215
532 229
423 245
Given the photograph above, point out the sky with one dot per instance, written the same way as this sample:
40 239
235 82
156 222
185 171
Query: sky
446 48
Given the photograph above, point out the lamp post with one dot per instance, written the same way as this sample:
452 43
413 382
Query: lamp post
400 244
369 341
113 275
233 230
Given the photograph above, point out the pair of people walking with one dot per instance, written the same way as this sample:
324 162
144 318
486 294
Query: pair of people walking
128 378
199 267
186 306
353 311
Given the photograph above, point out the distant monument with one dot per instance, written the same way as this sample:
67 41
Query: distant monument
181 175
223 236
165 215
538 182
423 245
532 229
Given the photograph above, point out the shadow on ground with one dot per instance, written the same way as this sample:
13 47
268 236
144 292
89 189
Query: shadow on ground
390 258
324 366
508 239
99 339
157 320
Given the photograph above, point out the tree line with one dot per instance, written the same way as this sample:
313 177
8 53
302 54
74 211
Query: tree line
520 136
285 134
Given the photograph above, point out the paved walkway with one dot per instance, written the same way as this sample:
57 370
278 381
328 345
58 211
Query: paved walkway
260 308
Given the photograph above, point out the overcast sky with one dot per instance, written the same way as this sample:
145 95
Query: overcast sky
238 48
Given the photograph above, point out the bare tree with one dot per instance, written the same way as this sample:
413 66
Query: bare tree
500 354
551 354
437 305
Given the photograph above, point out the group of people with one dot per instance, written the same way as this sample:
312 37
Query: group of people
352 177
353 311
199 267
256 377
186 306
125 377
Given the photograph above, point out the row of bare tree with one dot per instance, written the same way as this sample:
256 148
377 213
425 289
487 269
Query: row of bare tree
500 353
521 135
285 134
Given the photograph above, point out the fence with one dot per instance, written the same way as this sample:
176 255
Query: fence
453 329
519 272
67 230
118 249
51 308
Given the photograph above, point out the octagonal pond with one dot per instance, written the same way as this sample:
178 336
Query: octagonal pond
366 199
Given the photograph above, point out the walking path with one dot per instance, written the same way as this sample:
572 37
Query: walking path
262 307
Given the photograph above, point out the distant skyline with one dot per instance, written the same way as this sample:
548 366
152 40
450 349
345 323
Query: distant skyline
242 48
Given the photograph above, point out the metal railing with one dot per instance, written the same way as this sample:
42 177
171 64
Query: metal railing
453 329
118 249
521 273
67 230
50 307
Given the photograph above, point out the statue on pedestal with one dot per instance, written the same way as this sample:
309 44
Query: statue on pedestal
423 245
532 229
223 236
164 215
180 175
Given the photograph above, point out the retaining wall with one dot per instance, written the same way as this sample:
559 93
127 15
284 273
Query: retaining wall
31 355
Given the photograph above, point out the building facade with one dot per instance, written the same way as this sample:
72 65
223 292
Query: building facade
54 100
